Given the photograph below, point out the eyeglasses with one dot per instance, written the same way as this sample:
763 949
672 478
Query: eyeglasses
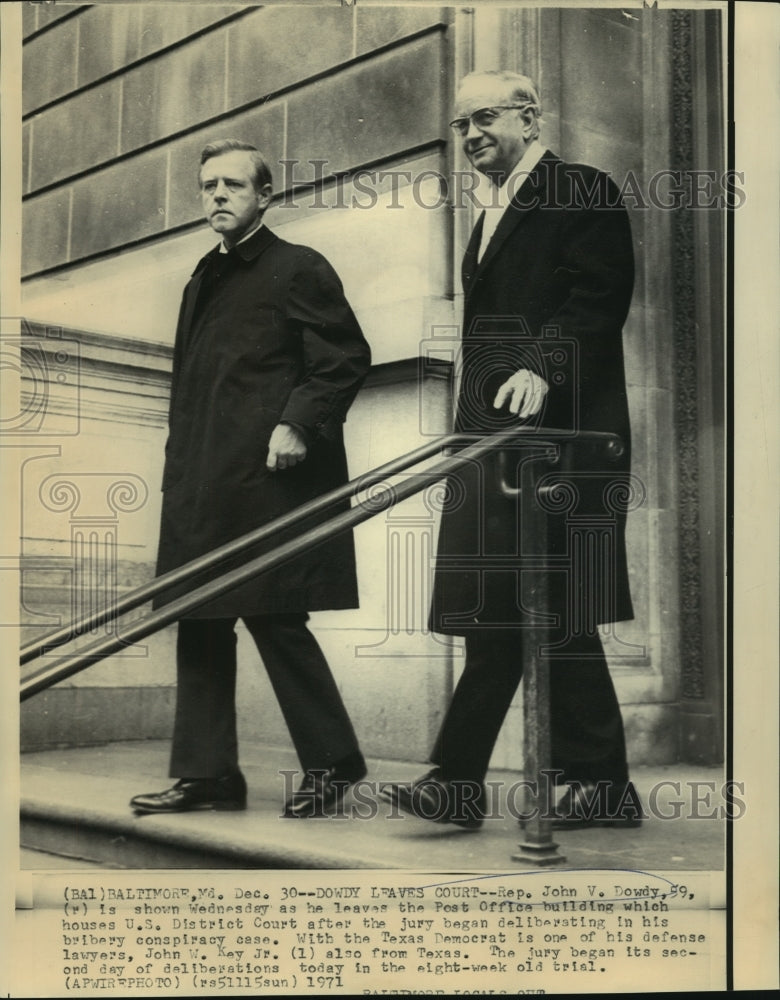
484 117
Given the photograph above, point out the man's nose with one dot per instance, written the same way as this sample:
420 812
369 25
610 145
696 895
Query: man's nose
473 131
220 191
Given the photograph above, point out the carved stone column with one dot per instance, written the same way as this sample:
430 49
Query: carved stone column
697 144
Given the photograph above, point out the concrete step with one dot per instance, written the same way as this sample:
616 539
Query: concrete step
74 804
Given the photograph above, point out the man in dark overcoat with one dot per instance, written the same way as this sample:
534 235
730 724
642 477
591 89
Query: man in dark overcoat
547 277
267 360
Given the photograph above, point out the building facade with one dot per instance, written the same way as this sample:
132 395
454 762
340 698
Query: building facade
350 104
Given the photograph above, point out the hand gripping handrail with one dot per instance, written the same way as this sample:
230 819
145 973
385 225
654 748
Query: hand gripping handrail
64 667
537 846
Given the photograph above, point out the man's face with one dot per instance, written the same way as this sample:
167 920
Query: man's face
494 148
230 202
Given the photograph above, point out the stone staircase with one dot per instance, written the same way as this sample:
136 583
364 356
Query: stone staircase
74 805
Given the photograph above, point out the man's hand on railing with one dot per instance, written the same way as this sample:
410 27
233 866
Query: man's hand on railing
200 593
525 391
286 448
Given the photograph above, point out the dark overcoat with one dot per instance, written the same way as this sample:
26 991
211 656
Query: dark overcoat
550 294
265 335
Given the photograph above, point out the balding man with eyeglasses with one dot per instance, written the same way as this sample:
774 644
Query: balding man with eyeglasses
547 276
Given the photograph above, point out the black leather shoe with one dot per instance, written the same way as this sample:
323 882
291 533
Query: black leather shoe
434 798
323 789
591 804
227 793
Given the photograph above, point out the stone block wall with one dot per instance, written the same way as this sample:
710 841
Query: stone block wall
118 101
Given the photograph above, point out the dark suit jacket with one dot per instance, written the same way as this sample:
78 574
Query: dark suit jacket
550 294
265 335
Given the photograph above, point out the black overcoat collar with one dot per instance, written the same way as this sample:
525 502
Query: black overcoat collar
247 251
259 241
528 198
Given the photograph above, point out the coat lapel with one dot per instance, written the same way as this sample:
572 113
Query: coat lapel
256 244
527 199
192 289
247 251
469 267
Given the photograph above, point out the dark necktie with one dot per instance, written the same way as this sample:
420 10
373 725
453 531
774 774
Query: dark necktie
470 261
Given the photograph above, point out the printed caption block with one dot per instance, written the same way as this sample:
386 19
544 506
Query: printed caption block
249 933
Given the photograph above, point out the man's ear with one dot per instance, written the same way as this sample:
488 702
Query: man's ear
529 119
264 197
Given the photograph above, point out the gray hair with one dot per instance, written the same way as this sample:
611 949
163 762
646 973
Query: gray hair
523 90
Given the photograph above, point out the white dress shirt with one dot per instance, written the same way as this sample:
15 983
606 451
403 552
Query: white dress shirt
506 192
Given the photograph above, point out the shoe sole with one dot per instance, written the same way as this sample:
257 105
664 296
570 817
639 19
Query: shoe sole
199 807
323 813
388 796
332 809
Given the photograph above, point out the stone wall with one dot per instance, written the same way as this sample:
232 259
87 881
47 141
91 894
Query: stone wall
119 100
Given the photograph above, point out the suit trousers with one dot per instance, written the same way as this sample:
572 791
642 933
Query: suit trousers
586 727
205 742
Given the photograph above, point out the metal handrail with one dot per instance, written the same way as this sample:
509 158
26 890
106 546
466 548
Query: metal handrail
64 667
182 574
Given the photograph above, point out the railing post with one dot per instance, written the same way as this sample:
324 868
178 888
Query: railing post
537 846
